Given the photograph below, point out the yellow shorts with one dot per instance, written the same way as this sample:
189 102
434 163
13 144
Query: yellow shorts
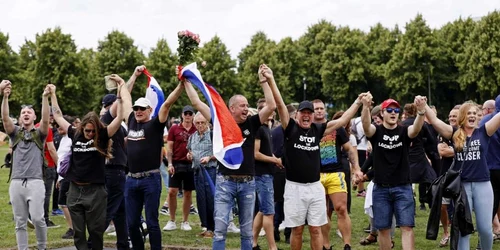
334 182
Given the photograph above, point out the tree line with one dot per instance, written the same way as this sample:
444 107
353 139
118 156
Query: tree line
459 61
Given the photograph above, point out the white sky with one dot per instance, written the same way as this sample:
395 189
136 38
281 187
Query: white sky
235 21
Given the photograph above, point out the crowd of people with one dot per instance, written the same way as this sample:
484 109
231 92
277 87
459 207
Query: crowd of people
296 171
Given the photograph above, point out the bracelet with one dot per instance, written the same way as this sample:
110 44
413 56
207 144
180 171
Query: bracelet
421 113
358 103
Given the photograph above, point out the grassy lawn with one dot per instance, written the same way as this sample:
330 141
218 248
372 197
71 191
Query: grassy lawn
182 238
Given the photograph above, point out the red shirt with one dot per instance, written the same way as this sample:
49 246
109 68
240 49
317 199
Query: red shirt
179 135
50 161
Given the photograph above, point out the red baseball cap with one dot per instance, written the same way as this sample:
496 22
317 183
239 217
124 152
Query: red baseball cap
388 103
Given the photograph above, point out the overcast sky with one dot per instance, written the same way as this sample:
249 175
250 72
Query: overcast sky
235 21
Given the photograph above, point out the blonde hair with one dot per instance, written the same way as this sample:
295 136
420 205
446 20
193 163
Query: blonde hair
460 136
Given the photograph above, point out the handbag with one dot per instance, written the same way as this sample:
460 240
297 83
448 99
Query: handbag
452 181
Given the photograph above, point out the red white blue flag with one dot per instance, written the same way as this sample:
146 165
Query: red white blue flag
227 137
154 93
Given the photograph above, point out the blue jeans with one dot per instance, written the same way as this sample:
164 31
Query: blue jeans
265 193
164 175
393 201
115 185
225 193
480 197
205 197
145 192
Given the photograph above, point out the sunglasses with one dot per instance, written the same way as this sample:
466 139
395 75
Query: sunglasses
135 108
26 106
188 113
89 131
389 110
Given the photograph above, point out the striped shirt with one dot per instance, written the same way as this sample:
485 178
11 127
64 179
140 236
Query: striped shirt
201 146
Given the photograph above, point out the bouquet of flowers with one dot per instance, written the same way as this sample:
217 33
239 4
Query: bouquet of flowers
188 45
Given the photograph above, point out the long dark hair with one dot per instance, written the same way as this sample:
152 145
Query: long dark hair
347 126
92 118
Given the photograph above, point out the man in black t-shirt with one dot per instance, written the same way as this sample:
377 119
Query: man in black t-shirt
239 183
144 147
304 194
392 193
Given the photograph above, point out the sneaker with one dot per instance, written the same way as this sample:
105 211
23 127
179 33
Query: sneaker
112 234
262 232
185 226
180 195
282 227
30 224
207 234
422 207
232 228
361 194
367 229
170 226
193 210
57 212
256 247
164 210
110 229
330 248
51 224
69 234
347 247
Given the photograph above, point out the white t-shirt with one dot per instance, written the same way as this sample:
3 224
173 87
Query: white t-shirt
64 148
363 143
352 140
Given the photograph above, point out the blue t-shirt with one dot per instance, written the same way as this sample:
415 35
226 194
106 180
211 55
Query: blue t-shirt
473 157
492 157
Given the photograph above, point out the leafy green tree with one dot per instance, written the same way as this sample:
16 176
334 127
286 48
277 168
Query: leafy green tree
58 62
345 70
289 70
479 64
117 54
10 69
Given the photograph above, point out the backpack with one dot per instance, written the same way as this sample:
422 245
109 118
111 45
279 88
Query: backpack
38 142
7 161
354 130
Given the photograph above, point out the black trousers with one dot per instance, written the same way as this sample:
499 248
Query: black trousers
495 184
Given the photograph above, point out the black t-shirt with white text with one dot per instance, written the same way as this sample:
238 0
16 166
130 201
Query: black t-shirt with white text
302 152
119 150
87 164
331 151
264 135
390 155
144 144
248 129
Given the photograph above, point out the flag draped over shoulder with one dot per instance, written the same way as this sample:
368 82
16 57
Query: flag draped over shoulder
154 93
227 138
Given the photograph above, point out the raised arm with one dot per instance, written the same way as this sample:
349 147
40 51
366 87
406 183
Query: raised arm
366 119
268 94
265 74
116 123
5 88
165 107
445 130
414 129
126 99
44 124
493 124
137 72
346 117
56 111
196 102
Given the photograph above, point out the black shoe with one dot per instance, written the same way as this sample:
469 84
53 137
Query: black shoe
69 234
51 224
347 247
256 247
287 240
367 229
330 248
277 236
422 207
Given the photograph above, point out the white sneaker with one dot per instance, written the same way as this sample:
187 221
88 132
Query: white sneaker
170 226
112 234
110 229
185 226
232 228
262 232
282 227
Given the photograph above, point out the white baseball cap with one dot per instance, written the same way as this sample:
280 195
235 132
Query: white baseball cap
142 102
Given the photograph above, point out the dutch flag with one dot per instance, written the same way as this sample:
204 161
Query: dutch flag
154 93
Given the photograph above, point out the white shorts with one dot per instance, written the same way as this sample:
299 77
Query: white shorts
304 202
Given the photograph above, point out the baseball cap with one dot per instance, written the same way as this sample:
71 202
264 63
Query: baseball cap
142 102
188 108
388 103
108 99
306 105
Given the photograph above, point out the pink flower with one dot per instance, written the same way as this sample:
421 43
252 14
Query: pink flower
181 33
204 64
197 40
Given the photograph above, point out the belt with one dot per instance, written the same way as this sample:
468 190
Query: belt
82 183
389 185
143 174
238 178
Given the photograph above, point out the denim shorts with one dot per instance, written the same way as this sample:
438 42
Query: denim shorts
265 193
393 200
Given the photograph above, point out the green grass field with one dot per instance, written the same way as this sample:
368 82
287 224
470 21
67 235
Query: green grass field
189 239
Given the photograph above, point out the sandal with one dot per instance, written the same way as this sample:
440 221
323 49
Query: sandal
444 242
496 236
370 239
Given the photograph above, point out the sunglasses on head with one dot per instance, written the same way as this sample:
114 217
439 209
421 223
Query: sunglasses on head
389 110
188 113
89 131
27 106
135 108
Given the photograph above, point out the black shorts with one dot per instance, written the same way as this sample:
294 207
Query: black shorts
184 180
279 186
63 192
361 157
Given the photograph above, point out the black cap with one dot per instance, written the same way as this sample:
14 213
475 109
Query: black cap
108 99
188 108
306 105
